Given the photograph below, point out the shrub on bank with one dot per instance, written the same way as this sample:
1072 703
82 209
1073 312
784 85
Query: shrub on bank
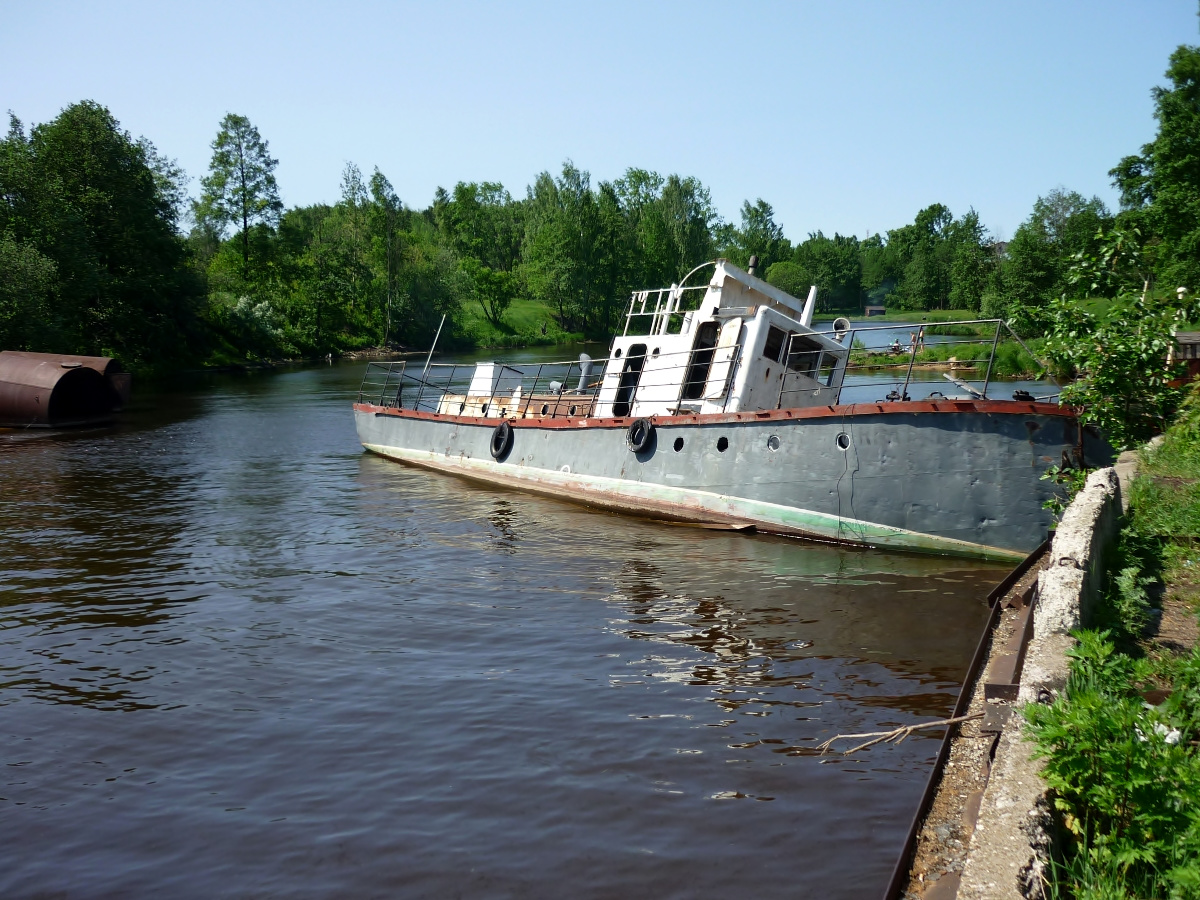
1121 741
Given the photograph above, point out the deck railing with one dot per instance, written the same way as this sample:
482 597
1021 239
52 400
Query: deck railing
963 352
664 307
560 388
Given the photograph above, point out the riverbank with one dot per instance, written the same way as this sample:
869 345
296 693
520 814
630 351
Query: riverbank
1092 786
1121 742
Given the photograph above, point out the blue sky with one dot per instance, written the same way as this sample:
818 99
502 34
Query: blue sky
844 116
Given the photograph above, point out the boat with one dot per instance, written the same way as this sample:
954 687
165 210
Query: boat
721 405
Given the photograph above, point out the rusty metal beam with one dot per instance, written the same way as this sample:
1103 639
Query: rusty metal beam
899 878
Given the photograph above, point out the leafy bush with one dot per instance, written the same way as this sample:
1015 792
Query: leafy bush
255 327
1124 773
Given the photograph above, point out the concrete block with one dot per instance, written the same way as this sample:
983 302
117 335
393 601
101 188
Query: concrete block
1013 833
1011 843
1044 674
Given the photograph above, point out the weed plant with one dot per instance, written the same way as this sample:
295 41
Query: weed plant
1124 772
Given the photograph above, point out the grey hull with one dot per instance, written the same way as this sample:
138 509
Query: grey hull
959 482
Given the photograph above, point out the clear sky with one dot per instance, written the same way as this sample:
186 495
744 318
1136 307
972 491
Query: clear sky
846 116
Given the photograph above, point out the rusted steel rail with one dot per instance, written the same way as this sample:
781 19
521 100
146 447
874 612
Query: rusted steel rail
895 888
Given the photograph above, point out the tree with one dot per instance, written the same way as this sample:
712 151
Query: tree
386 215
1063 226
240 187
27 284
1160 189
835 268
484 227
563 259
923 254
971 264
668 226
88 223
791 277
760 235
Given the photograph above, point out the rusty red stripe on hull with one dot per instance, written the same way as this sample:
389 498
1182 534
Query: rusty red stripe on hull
993 407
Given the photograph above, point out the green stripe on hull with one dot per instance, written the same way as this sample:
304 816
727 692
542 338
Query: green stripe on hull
693 505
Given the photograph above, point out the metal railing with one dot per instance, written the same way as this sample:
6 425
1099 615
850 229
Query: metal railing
561 388
967 361
667 308
701 378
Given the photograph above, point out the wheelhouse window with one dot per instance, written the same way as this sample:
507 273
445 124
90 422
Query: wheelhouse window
804 356
776 338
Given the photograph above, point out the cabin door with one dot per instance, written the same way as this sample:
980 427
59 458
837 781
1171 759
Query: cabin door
631 374
722 367
700 361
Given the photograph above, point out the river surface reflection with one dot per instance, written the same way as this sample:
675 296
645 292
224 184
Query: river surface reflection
239 657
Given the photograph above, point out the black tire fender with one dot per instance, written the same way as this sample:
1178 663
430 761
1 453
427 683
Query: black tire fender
640 434
502 439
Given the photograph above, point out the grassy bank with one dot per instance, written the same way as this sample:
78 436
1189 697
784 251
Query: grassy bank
1121 742
971 359
526 323
916 317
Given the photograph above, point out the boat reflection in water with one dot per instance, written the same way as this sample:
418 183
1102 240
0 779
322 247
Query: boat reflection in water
782 646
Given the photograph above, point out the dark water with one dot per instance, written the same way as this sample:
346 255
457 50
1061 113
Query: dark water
238 657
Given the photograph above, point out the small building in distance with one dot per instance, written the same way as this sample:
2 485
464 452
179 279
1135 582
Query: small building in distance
1187 349
875 309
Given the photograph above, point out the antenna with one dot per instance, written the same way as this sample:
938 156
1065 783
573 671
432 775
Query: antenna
434 344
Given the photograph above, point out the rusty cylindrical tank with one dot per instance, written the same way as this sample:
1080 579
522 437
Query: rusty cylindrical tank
51 390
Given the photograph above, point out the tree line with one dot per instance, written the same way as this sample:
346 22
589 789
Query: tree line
103 251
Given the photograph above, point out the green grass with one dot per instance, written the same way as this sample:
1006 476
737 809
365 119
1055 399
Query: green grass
1011 359
520 326
899 315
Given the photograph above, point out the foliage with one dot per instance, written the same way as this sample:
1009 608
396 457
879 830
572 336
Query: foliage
1124 773
240 187
90 260
1178 453
1160 188
1070 480
1124 384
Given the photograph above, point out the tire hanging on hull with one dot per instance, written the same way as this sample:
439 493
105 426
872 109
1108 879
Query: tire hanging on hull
640 435
502 439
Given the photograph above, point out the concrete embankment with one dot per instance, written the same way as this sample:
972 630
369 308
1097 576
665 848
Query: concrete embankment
996 815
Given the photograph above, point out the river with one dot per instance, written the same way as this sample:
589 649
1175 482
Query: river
240 657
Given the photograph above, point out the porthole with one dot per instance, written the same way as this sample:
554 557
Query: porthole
483 410
843 441
773 443
545 408
678 445
617 353
722 444
654 352
571 411
767 377
461 407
